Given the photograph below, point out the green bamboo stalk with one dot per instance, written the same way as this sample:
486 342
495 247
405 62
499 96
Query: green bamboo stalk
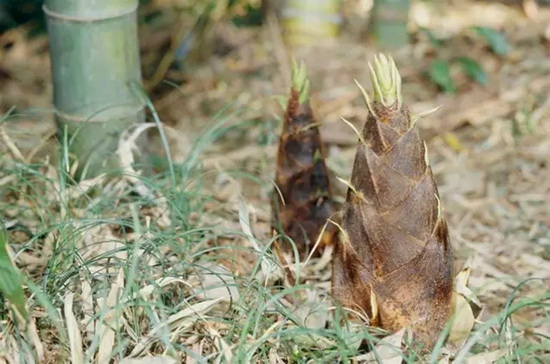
388 24
307 22
95 67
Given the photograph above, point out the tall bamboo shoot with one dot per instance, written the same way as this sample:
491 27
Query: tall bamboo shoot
302 203
394 261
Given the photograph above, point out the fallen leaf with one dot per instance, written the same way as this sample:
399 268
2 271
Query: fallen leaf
269 271
463 319
387 351
177 323
216 282
149 360
461 286
75 337
110 322
487 358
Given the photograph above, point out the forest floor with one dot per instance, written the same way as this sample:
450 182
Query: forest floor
179 264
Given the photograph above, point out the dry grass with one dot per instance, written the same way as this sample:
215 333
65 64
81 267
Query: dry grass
136 266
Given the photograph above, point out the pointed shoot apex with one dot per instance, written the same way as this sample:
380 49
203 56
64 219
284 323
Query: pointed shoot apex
386 81
299 80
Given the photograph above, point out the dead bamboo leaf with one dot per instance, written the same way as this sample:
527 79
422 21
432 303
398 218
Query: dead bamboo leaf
77 191
125 152
461 286
268 269
387 351
14 150
216 282
462 313
88 309
146 291
75 338
463 319
150 360
487 358
177 323
32 332
110 322
223 348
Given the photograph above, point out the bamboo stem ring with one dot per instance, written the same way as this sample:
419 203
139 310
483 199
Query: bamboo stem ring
87 19
95 119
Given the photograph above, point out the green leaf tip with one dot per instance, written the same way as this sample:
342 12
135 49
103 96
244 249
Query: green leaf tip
299 80
317 156
282 100
10 280
386 81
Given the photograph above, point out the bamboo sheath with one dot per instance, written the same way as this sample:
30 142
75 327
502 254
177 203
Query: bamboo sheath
394 261
95 71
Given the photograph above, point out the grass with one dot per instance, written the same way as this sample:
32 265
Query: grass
127 265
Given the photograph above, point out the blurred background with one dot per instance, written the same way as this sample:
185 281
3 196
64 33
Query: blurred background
198 55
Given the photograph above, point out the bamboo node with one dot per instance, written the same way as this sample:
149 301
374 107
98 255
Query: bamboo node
87 19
